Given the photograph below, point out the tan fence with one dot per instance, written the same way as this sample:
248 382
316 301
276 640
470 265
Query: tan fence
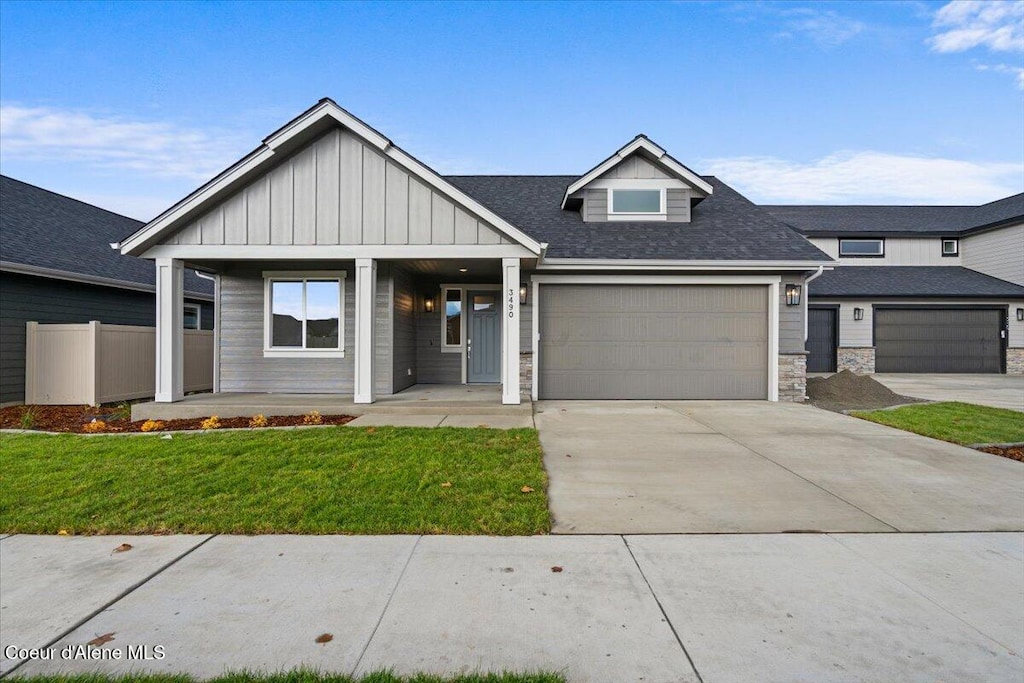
92 363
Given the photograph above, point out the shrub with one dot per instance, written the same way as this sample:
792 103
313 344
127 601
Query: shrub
123 411
313 417
94 426
28 418
152 426
212 422
257 421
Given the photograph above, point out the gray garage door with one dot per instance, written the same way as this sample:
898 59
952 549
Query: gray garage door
938 340
653 342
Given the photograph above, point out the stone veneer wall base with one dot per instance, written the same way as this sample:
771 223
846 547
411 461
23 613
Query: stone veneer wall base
858 359
525 373
793 377
1015 361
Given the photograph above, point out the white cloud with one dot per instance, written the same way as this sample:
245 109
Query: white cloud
1017 71
869 177
151 148
825 27
966 24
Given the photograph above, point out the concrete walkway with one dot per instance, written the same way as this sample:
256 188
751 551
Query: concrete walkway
998 391
639 467
657 609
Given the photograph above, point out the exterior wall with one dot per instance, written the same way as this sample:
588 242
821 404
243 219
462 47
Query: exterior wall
337 191
432 366
242 365
404 343
595 204
999 253
899 251
791 318
1015 361
793 377
635 167
25 298
525 372
859 359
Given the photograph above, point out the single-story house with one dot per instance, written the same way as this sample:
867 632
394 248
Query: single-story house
916 288
346 266
56 266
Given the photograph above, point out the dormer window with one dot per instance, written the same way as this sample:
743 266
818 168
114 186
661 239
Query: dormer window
636 204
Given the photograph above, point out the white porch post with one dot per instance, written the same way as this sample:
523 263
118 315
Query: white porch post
170 335
366 294
510 331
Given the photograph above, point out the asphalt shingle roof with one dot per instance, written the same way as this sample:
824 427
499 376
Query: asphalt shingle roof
911 281
724 227
883 220
47 230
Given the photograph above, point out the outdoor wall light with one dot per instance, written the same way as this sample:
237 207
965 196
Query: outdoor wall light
522 297
428 304
793 295
1020 314
858 314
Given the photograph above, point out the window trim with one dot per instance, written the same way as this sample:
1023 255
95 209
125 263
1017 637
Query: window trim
881 246
271 276
445 346
199 316
956 247
661 215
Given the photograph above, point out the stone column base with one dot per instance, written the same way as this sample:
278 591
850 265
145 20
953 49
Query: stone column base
526 372
793 377
1015 362
859 359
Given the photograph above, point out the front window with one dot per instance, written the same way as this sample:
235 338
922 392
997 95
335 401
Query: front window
950 247
862 248
305 314
636 201
453 318
192 317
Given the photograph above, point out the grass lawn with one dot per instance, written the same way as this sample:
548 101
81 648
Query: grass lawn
385 480
962 423
301 677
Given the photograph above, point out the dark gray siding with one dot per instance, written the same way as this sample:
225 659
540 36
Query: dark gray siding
791 318
25 298
404 347
432 366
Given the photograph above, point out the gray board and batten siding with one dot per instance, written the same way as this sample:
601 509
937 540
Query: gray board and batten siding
337 191
635 167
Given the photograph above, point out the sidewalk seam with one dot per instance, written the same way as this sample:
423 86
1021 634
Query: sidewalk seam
125 593
391 595
668 621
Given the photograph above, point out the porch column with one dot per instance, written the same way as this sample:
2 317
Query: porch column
366 294
170 326
510 331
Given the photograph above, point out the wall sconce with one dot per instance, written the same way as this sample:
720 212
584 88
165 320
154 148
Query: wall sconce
793 295
428 304
1020 314
858 314
522 297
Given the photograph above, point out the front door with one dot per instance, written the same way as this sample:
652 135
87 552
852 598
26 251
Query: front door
483 343
821 339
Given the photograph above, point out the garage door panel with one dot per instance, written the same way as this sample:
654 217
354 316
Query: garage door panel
938 340
658 341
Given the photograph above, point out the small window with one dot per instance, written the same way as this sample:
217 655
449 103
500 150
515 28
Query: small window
862 248
452 318
950 247
193 317
636 201
305 315
483 303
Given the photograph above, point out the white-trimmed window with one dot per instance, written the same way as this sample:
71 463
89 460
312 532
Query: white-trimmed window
453 318
304 314
862 248
636 203
193 317
950 246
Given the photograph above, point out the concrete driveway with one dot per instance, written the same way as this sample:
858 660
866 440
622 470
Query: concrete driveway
998 391
755 467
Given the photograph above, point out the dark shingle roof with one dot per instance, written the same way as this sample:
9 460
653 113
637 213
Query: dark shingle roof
911 281
46 230
883 220
724 227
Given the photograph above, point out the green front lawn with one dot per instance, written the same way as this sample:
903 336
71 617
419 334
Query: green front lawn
346 480
962 423
299 677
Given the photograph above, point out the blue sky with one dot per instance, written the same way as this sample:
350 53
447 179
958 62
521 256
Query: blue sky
131 106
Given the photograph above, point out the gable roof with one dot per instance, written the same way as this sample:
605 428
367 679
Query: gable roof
948 282
46 234
888 220
641 143
724 227
306 126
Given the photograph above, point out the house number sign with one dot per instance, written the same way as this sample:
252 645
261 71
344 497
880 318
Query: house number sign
511 302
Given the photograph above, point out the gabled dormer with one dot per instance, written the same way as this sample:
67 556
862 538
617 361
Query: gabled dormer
640 182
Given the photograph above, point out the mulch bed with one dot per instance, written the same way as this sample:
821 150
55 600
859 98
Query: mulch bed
74 418
1012 452
849 391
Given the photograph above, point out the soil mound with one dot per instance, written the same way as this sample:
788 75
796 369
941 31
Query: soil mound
847 390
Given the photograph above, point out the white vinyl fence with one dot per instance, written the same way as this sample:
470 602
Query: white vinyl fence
93 363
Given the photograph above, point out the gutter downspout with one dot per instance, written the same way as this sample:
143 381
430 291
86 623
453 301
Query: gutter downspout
807 295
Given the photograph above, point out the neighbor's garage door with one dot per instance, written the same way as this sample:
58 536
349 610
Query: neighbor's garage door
653 342
938 340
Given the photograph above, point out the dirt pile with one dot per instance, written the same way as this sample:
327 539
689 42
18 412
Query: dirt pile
849 391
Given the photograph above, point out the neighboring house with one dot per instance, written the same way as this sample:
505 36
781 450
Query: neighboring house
57 266
917 288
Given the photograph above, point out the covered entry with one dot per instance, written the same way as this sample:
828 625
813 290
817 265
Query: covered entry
939 339
638 341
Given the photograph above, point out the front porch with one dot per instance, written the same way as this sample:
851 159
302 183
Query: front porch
419 399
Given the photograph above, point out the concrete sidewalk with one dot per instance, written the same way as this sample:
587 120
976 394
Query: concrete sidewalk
780 607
